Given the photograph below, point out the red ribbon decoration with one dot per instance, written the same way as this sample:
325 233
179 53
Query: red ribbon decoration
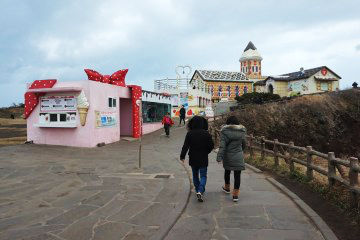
117 78
32 99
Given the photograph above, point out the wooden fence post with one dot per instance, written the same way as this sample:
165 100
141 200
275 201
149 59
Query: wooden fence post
331 168
354 180
276 156
262 148
251 150
291 155
309 170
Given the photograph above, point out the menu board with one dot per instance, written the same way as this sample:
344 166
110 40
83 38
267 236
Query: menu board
58 103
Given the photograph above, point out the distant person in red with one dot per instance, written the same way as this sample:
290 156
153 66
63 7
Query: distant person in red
167 122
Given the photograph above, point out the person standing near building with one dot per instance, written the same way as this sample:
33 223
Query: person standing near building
182 114
199 143
167 122
232 145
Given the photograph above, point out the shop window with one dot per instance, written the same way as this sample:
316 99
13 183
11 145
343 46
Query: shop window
62 117
53 117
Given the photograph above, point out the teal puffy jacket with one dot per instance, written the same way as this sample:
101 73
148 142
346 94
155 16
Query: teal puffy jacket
232 145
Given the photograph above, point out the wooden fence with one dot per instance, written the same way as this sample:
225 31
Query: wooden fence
304 156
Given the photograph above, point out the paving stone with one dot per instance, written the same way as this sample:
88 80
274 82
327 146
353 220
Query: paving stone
129 210
193 228
242 211
111 231
244 222
155 214
287 217
73 199
119 188
260 185
270 234
142 233
72 215
27 219
44 236
80 230
110 208
111 181
100 199
31 232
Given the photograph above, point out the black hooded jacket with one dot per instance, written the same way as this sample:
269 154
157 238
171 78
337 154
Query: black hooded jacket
198 142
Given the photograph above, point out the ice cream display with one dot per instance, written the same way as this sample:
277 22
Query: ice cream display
83 107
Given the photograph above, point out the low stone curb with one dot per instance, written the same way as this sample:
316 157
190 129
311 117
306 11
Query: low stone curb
326 232
253 168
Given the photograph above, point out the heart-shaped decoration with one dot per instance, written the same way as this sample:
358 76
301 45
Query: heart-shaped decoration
183 71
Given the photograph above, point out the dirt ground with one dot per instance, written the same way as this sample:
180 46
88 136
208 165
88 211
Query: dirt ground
332 215
12 131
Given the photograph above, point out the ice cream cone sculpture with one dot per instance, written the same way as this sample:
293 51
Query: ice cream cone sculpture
83 107
83 114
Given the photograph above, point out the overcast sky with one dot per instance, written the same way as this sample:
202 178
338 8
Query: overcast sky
42 39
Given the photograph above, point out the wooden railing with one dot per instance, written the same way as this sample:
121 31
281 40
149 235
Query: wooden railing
292 154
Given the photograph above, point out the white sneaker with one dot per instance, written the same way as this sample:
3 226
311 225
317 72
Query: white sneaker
199 197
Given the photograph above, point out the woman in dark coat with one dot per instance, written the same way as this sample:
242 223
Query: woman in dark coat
199 143
232 145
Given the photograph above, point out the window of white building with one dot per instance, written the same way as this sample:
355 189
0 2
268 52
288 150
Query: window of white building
324 86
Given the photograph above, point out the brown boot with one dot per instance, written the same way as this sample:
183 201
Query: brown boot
236 195
226 188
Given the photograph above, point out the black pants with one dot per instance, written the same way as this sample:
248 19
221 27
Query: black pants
182 119
237 178
167 129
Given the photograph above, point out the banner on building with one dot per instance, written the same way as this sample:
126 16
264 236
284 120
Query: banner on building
105 119
174 100
184 97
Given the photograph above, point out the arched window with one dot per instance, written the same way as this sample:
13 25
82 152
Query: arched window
245 89
228 90
220 91
212 90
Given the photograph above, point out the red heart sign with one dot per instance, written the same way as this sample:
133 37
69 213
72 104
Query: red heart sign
324 71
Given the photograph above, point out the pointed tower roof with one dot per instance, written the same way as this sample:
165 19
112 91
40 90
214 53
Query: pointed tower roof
250 53
250 46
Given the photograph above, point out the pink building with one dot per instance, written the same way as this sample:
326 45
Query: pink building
84 113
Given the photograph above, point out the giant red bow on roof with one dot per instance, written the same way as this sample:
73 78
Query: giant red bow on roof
117 78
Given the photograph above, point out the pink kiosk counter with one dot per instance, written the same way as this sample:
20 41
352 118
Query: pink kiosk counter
83 113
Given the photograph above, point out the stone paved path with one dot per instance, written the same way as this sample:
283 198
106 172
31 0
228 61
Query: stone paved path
263 212
53 192
63 193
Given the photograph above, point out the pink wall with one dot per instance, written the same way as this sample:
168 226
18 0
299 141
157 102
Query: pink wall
151 127
126 127
82 136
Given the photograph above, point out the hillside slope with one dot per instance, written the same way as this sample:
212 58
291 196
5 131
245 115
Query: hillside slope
328 122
